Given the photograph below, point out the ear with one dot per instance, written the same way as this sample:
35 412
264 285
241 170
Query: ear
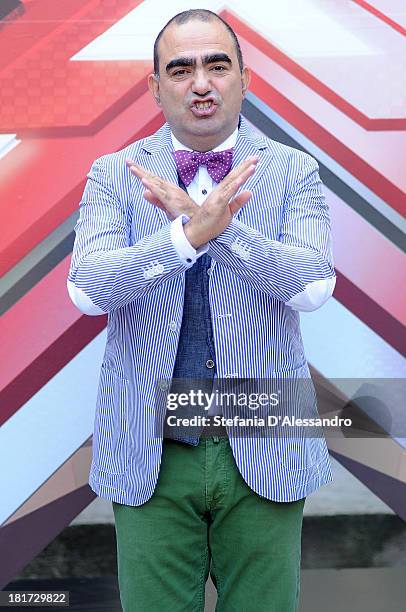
153 86
245 80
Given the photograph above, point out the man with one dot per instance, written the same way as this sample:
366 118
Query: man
202 270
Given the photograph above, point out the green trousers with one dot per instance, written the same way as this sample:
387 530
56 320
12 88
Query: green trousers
203 518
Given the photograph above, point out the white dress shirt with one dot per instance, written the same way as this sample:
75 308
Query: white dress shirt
198 190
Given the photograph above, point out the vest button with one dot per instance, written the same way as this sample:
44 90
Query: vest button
210 363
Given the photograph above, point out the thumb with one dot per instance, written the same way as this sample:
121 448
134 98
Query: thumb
239 201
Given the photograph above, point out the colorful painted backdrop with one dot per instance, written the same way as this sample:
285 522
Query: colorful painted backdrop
328 77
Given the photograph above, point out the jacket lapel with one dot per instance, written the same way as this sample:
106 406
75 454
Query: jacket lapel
159 160
250 144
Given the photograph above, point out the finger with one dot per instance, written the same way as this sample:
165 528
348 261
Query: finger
153 200
135 168
229 190
155 186
138 170
241 168
239 201
151 181
246 174
254 159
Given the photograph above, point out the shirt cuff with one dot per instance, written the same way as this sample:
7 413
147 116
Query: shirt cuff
184 249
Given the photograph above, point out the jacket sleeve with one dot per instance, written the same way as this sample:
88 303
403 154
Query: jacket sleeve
105 271
296 269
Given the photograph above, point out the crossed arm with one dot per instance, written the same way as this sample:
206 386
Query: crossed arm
106 273
297 269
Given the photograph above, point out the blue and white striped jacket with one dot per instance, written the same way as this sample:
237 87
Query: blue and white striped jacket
273 260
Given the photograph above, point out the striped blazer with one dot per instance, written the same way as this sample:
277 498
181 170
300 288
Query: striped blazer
273 260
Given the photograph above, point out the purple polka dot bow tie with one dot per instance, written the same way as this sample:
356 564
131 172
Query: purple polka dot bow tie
218 164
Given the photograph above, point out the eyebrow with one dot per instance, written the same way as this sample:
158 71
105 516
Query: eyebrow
182 62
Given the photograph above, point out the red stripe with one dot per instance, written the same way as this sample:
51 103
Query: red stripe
38 21
105 13
58 168
50 35
379 124
374 11
44 89
342 154
100 121
51 331
370 313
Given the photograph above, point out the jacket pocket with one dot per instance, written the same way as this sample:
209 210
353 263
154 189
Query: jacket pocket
111 427
299 440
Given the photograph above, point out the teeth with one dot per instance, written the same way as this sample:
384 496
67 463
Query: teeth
203 105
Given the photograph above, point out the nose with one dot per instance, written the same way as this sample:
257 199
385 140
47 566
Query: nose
201 83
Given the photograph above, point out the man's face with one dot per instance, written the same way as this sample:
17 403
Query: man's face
200 88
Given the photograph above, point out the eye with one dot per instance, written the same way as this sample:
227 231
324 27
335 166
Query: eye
218 68
179 73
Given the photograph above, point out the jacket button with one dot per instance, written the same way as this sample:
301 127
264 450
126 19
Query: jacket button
210 363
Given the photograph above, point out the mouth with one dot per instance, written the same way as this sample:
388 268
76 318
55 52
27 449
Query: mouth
203 108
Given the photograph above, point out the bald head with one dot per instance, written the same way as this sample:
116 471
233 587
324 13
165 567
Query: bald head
202 15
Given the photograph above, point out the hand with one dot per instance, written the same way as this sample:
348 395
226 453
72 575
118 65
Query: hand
170 198
218 209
